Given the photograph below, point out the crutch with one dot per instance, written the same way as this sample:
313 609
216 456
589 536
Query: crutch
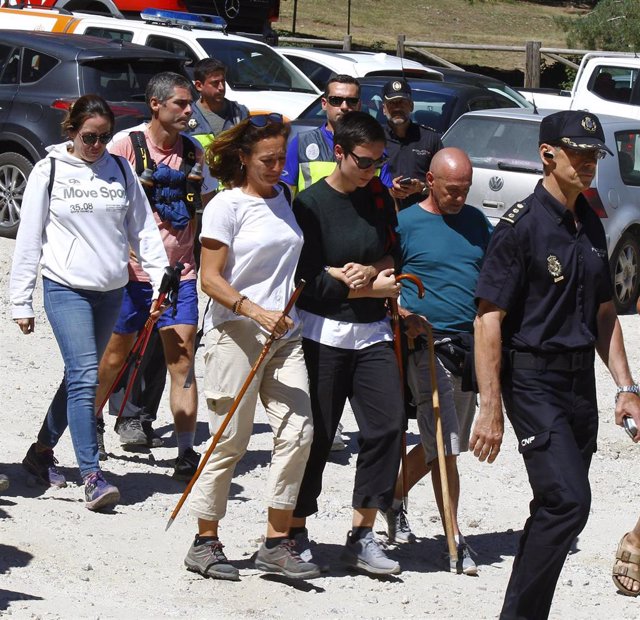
397 346
245 386
168 293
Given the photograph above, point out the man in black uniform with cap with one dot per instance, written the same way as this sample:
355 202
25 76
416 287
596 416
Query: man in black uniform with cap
544 307
410 146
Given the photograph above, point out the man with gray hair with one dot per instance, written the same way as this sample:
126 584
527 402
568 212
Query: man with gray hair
169 161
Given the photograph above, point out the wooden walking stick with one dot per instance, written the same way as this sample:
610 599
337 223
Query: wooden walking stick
397 347
235 404
442 463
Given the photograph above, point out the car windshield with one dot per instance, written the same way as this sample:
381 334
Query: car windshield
514 95
431 109
497 143
124 79
255 67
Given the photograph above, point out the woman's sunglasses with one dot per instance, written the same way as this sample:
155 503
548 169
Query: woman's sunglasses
91 138
262 120
365 163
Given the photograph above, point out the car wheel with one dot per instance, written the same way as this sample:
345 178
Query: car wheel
14 171
625 272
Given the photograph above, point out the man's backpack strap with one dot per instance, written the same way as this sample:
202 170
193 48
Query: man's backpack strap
141 150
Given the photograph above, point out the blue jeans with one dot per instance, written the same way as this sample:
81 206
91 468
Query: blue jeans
82 322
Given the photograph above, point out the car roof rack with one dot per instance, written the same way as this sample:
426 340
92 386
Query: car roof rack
187 21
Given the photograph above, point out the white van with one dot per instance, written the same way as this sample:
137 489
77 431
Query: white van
257 76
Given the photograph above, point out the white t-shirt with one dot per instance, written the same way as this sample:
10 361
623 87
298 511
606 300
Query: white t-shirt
264 242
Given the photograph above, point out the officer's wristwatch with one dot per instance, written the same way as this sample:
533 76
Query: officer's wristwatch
634 389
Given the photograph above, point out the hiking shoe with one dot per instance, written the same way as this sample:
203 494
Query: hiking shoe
308 553
186 465
130 432
338 443
284 559
43 466
102 453
98 493
465 564
208 559
4 483
367 554
153 439
398 528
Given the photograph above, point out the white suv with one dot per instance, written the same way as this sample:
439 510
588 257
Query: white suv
257 76
503 148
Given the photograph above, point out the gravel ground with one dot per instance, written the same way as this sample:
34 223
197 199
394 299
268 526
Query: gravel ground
58 560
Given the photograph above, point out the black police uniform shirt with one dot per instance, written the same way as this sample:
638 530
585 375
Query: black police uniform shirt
411 156
549 276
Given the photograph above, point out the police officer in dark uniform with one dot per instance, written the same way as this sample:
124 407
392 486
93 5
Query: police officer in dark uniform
410 146
544 308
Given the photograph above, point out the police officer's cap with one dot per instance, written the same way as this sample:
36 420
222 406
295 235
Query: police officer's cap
396 89
573 129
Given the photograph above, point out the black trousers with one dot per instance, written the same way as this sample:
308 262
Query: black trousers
370 379
555 417
146 392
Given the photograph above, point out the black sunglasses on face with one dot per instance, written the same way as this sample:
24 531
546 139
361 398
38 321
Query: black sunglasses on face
366 162
262 120
336 102
91 138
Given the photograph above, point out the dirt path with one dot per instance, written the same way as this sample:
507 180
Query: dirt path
58 560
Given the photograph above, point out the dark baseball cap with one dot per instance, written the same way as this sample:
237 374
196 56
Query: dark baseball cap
396 89
574 129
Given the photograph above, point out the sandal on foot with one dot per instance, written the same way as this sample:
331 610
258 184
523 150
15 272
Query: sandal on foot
627 564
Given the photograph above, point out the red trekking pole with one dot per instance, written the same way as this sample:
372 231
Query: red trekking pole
168 293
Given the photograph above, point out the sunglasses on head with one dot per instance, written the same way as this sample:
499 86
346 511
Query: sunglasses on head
262 120
91 138
366 162
336 102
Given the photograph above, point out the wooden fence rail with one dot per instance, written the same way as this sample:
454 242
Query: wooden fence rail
532 50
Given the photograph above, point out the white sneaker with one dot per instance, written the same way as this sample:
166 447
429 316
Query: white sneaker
465 564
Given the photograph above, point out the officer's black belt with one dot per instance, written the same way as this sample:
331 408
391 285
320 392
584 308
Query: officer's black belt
569 361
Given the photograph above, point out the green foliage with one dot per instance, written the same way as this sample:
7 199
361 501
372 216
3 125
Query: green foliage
613 25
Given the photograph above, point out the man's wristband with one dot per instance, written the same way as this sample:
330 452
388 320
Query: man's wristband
633 389
237 305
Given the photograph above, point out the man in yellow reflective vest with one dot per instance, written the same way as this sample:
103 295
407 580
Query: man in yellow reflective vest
213 112
310 153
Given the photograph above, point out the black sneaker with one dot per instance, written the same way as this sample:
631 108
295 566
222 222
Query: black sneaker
208 559
43 466
102 453
130 432
186 465
153 439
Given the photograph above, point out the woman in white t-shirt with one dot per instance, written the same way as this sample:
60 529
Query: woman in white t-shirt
250 248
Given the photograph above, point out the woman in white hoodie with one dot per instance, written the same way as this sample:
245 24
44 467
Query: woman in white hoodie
82 210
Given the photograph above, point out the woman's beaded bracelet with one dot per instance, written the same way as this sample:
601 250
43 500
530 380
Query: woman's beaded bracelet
237 305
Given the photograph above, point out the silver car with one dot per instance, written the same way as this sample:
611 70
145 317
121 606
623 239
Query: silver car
503 148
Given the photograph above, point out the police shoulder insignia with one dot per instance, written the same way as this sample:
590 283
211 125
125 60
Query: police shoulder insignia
515 213
192 123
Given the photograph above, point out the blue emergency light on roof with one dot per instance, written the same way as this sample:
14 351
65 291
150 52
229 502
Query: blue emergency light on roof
183 20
